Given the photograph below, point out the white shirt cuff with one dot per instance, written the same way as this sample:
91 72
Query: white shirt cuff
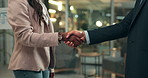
87 37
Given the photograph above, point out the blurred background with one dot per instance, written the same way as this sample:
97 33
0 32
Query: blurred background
103 60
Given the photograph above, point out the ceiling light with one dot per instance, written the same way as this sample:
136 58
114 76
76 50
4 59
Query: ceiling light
59 4
53 19
52 11
99 23
71 7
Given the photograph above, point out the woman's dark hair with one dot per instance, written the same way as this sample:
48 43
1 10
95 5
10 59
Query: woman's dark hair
37 9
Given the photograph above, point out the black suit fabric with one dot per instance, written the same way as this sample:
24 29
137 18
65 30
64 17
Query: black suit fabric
135 27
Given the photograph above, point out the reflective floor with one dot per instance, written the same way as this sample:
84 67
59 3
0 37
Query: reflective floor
5 73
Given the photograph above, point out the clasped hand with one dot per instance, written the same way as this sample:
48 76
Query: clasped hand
73 38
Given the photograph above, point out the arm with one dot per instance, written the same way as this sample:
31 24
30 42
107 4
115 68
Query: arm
104 34
18 17
111 32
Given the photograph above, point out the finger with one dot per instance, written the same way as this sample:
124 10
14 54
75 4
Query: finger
66 42
71 45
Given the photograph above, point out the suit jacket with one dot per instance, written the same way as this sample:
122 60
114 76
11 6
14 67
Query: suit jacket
32 40
135 27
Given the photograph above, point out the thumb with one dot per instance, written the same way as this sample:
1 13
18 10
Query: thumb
69 34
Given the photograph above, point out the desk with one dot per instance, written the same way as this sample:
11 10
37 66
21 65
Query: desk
91 64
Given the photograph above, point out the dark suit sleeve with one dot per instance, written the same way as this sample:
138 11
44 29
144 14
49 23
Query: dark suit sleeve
111 32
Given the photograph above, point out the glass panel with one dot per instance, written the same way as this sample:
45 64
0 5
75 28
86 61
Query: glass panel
121 10
90 14
87 15
6 46
3 3
83 15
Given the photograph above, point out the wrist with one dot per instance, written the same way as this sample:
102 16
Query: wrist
83 36
60 37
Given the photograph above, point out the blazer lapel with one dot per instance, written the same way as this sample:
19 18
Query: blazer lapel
138 8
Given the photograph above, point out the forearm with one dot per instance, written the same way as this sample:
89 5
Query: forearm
107 33
111 32
37 40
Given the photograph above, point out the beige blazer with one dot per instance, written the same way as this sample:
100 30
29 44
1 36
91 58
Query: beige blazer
32 41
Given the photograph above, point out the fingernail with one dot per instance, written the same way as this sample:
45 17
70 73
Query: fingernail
67 36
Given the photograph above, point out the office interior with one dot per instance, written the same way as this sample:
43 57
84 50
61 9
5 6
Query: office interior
103 60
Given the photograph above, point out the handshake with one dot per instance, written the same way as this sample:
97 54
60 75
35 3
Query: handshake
73 38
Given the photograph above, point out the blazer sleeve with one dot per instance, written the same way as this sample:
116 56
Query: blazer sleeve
18 17
111 32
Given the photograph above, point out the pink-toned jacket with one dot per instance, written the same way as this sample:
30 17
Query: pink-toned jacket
32 41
